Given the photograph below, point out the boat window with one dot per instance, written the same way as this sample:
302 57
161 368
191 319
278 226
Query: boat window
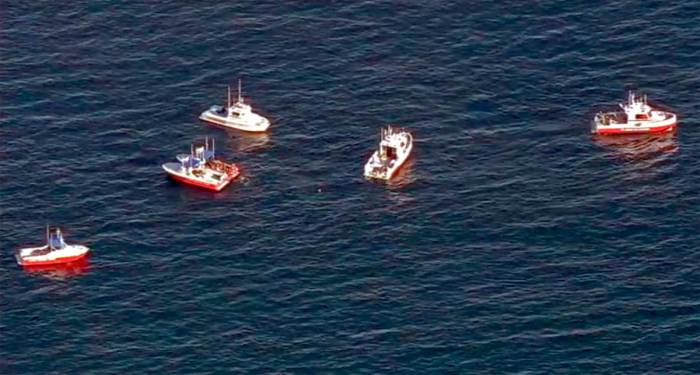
55 241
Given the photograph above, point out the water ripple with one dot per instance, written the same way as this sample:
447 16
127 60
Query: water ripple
512 242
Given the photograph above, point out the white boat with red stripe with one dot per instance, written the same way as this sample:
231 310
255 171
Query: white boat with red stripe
237 115
636 117
395 146
201 168
56 251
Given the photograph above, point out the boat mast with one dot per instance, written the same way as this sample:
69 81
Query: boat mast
48 244
228 102
240 100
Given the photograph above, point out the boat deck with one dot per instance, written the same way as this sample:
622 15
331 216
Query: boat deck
611 118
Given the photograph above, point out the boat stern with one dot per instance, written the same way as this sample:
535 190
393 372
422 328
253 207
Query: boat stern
375 169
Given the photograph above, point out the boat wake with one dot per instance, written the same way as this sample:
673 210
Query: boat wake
248 142
405 176
639 147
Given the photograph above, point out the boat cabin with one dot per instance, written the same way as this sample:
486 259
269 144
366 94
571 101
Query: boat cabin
636 107
239 110
55 239
200 154
388 152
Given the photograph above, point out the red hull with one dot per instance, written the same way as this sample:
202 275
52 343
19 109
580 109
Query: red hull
660 129
200 184
64 260
61 270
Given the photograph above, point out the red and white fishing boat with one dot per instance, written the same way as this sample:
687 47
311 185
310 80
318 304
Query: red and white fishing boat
56 251
202 169
636 117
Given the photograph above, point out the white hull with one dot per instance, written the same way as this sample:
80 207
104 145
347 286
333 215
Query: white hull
253 122
390 171
236 115
386 170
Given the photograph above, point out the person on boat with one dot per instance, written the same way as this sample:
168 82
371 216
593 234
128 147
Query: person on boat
55 241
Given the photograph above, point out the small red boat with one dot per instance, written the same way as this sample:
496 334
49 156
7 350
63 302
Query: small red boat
636 117
56 251
202 169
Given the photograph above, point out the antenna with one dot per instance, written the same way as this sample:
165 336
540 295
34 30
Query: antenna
228 103
239 91
47 236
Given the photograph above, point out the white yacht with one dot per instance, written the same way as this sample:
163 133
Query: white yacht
237 115
395 147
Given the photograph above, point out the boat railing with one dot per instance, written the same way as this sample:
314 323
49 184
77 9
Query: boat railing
380 170
221 166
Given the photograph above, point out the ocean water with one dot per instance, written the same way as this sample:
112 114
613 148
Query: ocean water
513 242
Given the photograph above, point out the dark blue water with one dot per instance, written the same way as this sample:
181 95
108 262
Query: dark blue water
514 242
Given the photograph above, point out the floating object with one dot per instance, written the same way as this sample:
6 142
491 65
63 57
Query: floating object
395 147
237 115
201 168
56 251
636 117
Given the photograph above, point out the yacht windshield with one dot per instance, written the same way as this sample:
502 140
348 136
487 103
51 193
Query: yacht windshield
56 241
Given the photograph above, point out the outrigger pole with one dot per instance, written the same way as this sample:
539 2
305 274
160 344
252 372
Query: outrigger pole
189 167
